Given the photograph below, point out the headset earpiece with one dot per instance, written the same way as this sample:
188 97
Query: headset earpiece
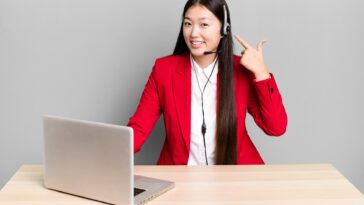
226 26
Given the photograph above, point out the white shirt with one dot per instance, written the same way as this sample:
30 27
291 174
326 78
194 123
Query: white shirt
197 150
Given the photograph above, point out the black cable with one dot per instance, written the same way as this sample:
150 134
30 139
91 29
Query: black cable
203 127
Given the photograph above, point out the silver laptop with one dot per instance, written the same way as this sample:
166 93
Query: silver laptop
96 161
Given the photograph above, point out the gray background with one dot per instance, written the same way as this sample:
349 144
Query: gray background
90 59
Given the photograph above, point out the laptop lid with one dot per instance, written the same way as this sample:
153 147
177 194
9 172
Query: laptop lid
89 159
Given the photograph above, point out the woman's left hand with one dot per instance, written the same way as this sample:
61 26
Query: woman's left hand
252 59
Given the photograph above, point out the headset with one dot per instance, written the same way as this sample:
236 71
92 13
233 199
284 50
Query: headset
226 26
225 30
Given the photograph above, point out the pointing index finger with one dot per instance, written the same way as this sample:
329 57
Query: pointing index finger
243 42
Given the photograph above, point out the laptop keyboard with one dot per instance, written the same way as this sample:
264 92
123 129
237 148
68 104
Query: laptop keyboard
138 191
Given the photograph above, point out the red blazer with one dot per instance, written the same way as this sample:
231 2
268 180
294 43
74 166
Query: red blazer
168 91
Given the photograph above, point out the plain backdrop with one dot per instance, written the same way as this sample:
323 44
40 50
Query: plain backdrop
90 59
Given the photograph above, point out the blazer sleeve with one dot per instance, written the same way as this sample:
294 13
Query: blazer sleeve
147 112
266 106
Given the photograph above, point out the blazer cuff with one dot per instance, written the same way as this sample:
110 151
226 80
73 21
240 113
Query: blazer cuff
266 89
270 76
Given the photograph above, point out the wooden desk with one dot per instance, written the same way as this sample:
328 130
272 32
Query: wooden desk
256 185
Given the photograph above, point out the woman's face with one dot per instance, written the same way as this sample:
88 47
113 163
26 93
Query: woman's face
201 30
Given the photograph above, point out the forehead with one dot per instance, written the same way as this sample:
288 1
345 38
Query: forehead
199 12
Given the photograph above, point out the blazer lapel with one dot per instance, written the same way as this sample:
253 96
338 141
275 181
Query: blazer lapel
182 94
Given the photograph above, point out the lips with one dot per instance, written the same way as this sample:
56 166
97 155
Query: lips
196 44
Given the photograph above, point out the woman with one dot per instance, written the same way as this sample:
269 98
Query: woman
204 93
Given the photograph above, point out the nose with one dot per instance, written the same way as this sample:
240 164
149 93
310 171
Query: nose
195 31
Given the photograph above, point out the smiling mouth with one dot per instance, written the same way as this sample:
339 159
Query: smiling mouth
196 44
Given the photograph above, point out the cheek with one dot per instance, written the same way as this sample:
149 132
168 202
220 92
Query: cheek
185 35
214 37
213 34
186 31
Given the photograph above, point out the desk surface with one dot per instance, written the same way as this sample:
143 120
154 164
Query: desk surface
244 184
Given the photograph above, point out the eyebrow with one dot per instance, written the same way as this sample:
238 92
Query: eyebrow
202 18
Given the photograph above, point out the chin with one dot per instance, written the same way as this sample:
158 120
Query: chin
197 53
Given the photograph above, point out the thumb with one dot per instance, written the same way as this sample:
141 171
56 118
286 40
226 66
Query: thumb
260 45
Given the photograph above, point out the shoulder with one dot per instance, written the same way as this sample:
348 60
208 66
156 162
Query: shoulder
236 58
240 70
165 67
168 60
236 62
169 64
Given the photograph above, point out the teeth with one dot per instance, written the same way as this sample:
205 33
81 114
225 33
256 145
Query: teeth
196 42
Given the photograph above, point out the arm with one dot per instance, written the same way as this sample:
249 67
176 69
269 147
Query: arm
147 113
266 106
265 102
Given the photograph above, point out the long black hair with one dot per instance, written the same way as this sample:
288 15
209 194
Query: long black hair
226 133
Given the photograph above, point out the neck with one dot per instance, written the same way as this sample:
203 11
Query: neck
204 60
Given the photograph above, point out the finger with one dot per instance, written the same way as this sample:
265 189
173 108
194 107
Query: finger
260 45
243 42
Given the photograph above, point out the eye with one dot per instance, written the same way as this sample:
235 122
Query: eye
186 23
204 25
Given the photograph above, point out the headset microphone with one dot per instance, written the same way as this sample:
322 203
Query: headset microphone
210 52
